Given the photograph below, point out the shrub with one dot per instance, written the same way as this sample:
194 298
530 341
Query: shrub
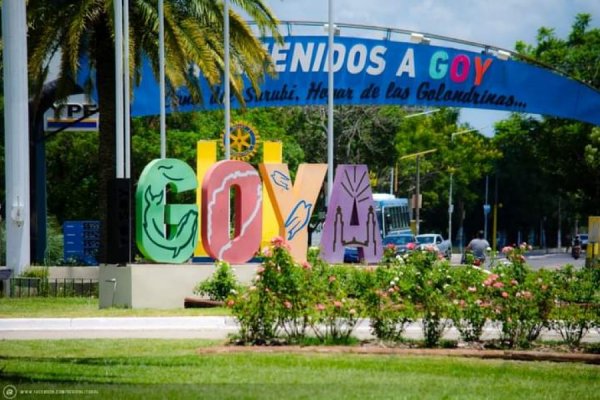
277 301
336 301
469 308
388 300
520 299
576 306
221 285
431 289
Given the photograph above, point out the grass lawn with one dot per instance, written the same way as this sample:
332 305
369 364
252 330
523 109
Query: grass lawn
74 307
173 369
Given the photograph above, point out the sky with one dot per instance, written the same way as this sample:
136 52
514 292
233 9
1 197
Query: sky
493 22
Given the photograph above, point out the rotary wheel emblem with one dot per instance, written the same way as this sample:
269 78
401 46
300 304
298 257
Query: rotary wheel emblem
243 141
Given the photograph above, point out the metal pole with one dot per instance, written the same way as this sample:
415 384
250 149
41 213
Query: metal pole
558 234
161 67
417 205
450 210
126 99
118 6
392 180
330 84
16 135
485 214
495 216
227 91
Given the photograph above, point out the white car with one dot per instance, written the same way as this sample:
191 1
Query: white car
442 245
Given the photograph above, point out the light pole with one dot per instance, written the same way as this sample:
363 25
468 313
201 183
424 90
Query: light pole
450 204
417 202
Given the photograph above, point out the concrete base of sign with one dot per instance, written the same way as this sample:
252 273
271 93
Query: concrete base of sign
157 285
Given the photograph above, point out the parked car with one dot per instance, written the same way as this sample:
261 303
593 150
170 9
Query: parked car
404 242
443 246
583 237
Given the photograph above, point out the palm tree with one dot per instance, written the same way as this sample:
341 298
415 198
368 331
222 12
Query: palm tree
83 29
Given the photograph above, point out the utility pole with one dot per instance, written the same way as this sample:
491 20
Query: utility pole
486 209
16 135
417 201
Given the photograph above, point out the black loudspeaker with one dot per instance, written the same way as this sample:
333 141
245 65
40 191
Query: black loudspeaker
120 222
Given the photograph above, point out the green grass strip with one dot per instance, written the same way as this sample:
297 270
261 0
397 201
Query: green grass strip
84 307
174 369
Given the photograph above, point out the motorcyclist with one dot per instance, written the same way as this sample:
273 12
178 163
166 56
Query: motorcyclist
478 246
576 248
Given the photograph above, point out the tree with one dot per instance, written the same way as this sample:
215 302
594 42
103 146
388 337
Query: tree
83 30
552 163
469 156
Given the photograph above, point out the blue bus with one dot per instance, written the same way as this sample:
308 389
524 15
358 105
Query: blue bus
393 214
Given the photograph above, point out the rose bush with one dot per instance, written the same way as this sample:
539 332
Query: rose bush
291 301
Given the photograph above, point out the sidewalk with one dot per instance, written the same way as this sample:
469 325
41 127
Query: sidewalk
181 328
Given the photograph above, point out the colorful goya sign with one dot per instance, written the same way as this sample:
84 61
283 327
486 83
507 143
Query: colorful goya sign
171 233
378 72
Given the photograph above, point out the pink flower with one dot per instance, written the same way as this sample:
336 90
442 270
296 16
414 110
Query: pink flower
331 278
260 270
472 289
507 249
514 282
461 303
390 246
493 277
277 241
320 307
498 285
287 304
505 295
527 294
266 252
230 303
337 304
487 282
430 248
306 265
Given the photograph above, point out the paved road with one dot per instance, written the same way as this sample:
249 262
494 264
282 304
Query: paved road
213 327
540 259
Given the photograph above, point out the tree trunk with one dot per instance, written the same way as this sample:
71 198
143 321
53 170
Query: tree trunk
105 83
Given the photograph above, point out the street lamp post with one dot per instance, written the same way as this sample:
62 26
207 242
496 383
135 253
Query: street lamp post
450 204
417 202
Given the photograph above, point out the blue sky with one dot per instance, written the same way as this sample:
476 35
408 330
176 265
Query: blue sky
497 23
